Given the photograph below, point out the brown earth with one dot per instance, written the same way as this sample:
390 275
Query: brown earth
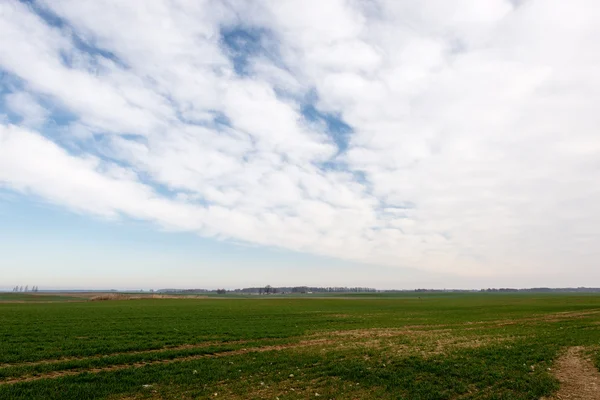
59 374
578 376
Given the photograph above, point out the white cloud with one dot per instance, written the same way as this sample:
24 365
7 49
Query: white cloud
32 164
474 141
27 108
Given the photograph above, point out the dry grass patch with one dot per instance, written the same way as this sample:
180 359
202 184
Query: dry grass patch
122 296
436 341
117 367
318 388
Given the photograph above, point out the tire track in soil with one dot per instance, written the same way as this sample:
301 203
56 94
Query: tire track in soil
60 374
127 353
578 376
553 317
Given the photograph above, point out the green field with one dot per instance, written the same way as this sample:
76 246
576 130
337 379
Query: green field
444 346
20 297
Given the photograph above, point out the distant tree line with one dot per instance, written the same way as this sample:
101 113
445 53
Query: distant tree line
544 290
186 291
303 289
497 290
25 289
268 290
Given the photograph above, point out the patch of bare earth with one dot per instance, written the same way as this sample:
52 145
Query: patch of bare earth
344 337
122 296
122 353
117 367
579 378
551 317
403 342
295 388
425 343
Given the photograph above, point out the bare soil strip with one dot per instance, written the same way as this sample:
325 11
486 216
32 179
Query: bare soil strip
578 376
358 333
572 360
552 317
60 374
408 329
352 334
361 338
123 353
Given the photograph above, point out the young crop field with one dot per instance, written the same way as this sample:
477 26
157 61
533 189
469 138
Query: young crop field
29 297
444 346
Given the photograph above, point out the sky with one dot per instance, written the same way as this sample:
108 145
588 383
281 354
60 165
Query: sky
382 143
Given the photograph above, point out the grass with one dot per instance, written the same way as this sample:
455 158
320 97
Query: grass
448 346
31 297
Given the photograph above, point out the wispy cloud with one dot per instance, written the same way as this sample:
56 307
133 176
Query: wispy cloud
448 136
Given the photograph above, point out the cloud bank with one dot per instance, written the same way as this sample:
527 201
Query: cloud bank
456 137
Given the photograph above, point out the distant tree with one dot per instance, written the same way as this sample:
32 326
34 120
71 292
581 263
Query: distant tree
221 291
26 288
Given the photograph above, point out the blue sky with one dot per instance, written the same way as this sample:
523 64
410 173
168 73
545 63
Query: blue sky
391 144
42 242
